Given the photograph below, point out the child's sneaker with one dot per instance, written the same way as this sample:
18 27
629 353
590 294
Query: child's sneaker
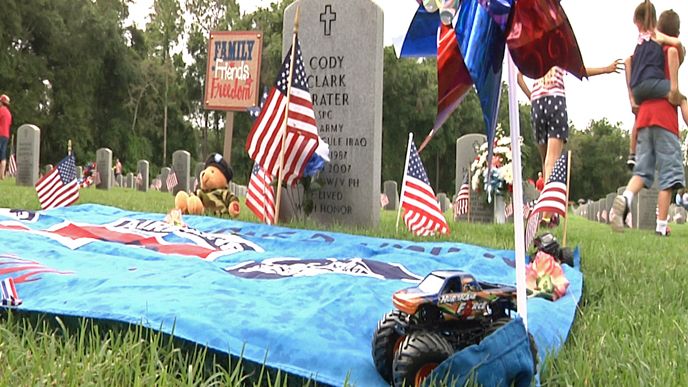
621 210
630 163
666 234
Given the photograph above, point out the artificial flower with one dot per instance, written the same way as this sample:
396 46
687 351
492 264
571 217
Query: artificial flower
545 277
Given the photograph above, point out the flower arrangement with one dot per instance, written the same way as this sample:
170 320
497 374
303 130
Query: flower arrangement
310 181
501 178
545 277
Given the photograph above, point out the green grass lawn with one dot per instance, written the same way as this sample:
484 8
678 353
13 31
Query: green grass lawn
631 328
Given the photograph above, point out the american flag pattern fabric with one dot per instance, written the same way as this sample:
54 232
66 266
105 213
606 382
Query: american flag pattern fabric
260 198
10 297
171 180
553 196
59 187
264 143
423 215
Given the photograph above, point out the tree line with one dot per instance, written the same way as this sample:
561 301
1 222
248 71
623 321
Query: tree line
79 71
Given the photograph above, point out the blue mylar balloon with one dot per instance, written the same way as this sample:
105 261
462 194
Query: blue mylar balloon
482 42
421 38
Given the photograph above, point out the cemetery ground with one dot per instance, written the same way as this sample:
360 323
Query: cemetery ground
631 327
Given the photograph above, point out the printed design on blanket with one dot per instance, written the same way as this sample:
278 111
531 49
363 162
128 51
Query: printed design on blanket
149 234
11 265
276 268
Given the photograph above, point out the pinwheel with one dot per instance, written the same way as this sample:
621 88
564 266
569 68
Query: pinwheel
469 38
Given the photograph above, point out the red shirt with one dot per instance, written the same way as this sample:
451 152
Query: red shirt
5 121
658 112
540 184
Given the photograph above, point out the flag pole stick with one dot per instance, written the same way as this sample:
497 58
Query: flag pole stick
519 243
566 206
286 114
427 140
69 147
403 181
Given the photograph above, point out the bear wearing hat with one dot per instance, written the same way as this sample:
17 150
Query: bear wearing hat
213 196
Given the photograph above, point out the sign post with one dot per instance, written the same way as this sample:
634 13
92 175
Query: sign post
233 76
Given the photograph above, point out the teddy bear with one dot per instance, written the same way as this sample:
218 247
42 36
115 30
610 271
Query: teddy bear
213 195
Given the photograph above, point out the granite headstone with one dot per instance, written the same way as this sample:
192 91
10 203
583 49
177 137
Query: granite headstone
342 50
392 191
467 147
104 168
130 180
28 154
181 163
163 179
143 168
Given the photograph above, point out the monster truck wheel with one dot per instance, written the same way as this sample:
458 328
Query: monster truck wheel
386 342
503 321
419 354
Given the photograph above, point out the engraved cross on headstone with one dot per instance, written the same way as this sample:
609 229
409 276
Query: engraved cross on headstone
327 18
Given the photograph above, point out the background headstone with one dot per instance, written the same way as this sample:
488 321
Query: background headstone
442 199
342 48
28 154
163 179
79 172
481 211
130 180
197 173
392 191
181 163
104 167
143 168
644 209
466 149
47 168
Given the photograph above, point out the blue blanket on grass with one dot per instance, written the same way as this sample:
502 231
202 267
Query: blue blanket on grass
309 299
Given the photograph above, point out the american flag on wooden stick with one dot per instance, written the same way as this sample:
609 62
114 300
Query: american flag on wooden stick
171 180
264 143
59 187
423 215
553 196
12 166
462 199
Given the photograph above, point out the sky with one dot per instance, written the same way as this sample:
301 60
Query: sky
604 30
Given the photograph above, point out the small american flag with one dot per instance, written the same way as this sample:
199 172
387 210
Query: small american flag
264 143
10 297
156 184
384 200
462 199
171 180
59 187
12 168
423 215
260 198
553 196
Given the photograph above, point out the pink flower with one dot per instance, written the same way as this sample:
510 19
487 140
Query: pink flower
545 277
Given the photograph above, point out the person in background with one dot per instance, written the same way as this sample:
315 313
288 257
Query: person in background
540 183
118 167
550 118
5 122
658 153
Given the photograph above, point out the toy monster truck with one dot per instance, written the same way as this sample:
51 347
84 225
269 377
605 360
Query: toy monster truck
447 311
